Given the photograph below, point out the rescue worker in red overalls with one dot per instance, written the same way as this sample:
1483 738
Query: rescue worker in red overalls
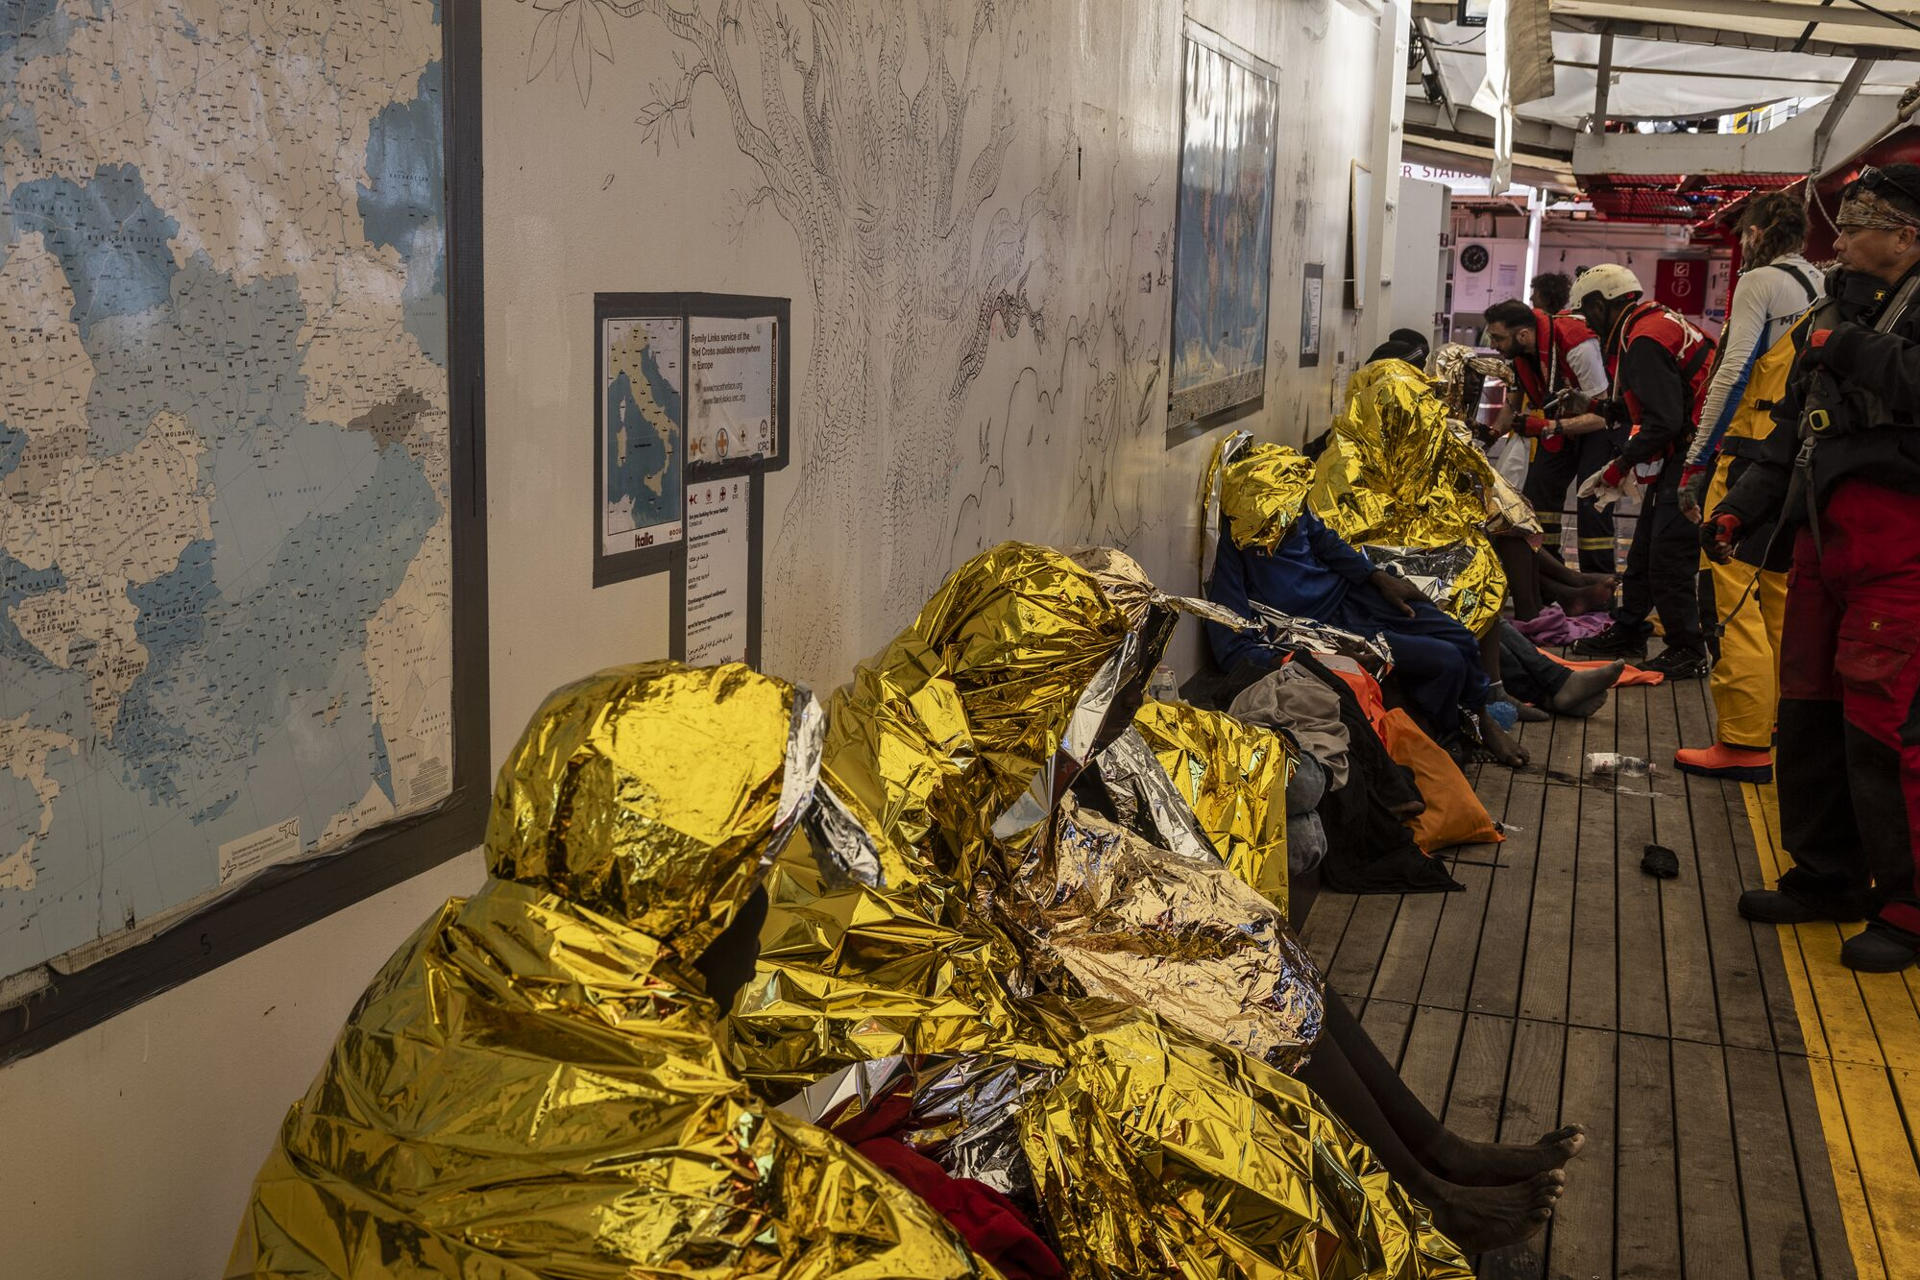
1659 365
1561 371
1841 474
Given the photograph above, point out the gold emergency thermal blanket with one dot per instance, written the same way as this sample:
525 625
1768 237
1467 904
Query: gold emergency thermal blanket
1239 1169
1258 491
1459 373
1395 476
1234 776
948 875
531 1086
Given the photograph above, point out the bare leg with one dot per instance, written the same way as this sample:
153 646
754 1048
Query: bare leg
1553 569
1573 591
1523 579
1361 1087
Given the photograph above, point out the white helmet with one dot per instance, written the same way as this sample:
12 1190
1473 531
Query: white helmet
1609 279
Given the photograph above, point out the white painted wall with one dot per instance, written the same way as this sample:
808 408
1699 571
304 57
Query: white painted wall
127 1151
1419 278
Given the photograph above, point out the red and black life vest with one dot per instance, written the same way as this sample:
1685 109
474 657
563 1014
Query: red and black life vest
1545 373
1691 349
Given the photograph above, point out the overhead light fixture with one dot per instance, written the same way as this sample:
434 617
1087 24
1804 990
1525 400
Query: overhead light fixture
1473 13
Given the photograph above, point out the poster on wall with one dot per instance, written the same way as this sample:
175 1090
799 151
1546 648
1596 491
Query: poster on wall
716 592
243 649
1313 282
1223 234
689 388
736 375
642 394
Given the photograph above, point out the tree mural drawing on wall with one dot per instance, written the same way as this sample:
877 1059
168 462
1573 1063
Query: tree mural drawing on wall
885 159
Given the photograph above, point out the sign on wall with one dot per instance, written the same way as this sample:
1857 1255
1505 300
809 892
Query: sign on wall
1681 283
687 387
690 412
1223 234
642 393
720 605
736 371
1313 283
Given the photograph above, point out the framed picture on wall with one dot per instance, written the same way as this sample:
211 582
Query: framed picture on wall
1313 280
279 706
1223 235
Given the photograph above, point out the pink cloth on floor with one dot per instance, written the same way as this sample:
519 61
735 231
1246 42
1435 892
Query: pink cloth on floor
1552 626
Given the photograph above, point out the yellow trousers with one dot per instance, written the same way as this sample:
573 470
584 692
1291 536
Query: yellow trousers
1745 683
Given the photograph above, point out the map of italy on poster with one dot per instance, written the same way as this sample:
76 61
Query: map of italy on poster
642 419
225 534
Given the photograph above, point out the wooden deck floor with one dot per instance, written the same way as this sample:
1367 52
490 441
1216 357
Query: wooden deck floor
1752 1105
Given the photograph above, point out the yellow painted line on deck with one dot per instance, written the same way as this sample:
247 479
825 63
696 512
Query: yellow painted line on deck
1863 1048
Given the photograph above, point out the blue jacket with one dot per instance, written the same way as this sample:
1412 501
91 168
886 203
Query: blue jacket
1309 575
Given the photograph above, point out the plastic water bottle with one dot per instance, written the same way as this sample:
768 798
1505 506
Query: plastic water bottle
1163 687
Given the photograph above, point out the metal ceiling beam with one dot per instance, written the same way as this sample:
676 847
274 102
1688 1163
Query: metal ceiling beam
1800 45
1856 76
1550 144
1602 83
1425 27
1680 33
1846 16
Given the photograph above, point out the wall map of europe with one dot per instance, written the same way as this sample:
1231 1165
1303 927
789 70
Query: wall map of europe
225 607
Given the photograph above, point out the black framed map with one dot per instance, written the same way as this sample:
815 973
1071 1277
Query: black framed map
243 662
1223 234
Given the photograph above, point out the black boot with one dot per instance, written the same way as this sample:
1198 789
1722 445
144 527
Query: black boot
1777 906
1617 641
1680 664
1880 948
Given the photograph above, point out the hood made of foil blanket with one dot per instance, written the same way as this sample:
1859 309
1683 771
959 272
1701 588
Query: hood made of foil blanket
1396 474
531 1086
883 935
1255 492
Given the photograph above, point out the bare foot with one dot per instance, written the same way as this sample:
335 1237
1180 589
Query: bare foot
1505 748
1482 1219
1585 691
1492 1164
1594 598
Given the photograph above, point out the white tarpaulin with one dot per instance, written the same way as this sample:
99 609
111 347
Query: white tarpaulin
1659 80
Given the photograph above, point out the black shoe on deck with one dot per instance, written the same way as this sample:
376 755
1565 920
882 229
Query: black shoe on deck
1615 642
1880 948
1771 906
1680 664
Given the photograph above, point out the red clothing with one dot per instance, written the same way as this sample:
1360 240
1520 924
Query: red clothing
1691 350
992 1225
1848 761
1546 371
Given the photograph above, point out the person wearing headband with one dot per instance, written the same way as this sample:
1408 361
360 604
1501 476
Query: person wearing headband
1839 478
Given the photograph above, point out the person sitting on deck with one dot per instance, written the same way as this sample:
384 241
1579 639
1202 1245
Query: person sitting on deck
1275 552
